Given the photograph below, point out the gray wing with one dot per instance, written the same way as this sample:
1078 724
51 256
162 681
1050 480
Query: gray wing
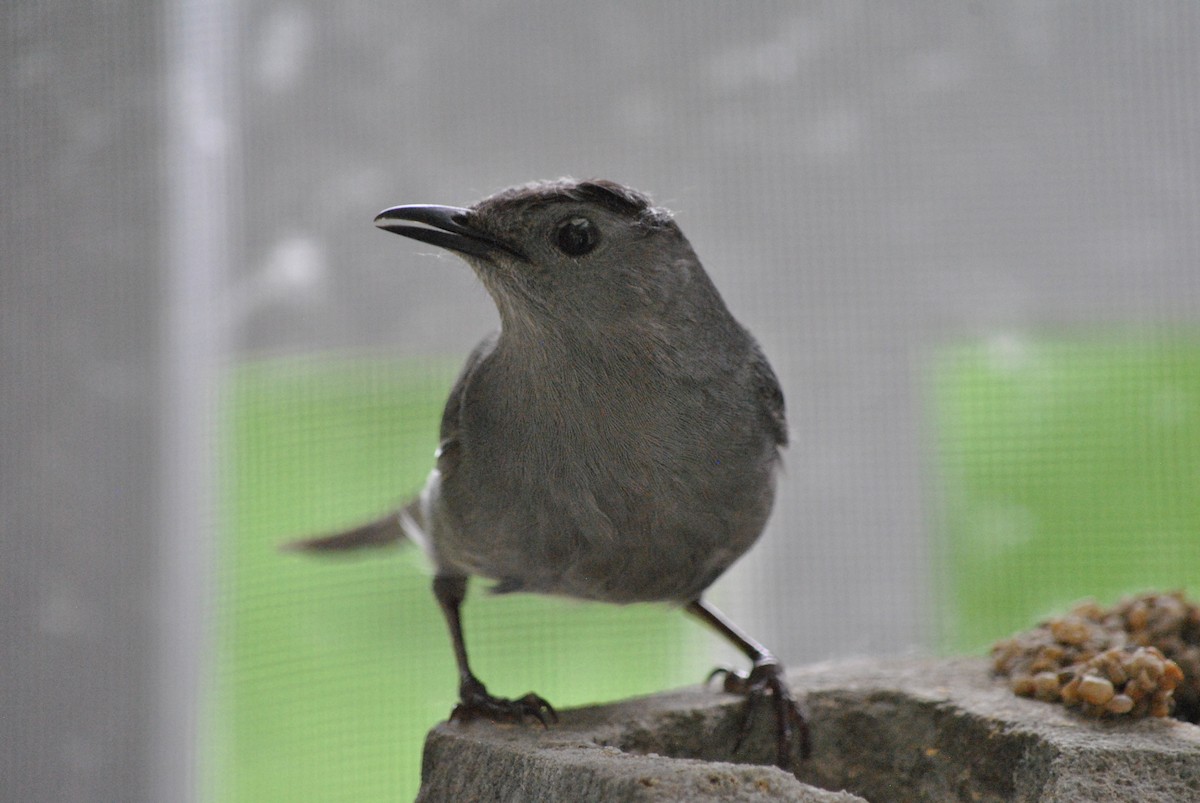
448 446
770 395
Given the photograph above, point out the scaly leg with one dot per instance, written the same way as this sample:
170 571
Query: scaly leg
765 678
473 698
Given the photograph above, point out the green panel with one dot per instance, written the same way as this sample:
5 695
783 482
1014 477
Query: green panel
1068 469
329 670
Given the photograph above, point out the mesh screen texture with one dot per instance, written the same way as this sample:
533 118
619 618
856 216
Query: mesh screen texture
965 235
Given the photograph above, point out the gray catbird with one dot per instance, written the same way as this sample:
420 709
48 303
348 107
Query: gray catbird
616 440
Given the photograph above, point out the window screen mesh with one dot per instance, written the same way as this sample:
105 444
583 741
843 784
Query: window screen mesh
966 235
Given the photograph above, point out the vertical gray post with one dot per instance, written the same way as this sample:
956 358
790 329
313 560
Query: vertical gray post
200 137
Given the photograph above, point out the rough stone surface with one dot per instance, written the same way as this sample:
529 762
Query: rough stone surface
896 731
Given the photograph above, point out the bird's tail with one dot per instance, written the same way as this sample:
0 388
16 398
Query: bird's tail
387 530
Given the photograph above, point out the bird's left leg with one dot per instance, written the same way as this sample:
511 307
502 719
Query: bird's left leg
473 697
766 678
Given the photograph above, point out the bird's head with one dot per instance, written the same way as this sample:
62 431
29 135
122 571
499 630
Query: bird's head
568 253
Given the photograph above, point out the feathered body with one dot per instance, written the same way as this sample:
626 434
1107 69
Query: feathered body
617 438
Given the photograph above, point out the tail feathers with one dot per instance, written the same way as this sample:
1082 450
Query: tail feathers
381 532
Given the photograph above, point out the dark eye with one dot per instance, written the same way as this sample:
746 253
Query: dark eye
576 236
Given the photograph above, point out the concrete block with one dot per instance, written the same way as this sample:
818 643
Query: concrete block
897 730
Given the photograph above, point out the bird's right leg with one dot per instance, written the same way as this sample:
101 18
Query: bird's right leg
765 679
473 698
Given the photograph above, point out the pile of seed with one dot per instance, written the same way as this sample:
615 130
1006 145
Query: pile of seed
1139 658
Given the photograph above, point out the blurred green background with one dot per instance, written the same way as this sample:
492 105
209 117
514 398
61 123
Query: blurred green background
1067 467
332 668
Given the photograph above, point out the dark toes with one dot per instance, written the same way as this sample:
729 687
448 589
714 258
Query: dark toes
538 708
766 680
790 728
481 705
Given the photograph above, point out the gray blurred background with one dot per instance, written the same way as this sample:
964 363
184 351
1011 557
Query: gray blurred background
188 184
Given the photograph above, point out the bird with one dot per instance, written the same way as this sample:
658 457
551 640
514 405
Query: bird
616 439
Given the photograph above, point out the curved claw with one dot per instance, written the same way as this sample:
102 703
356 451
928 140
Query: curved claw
477 703
720 670
766 680
732 681
539 708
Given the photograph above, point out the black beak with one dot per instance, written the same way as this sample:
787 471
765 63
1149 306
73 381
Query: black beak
443 226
